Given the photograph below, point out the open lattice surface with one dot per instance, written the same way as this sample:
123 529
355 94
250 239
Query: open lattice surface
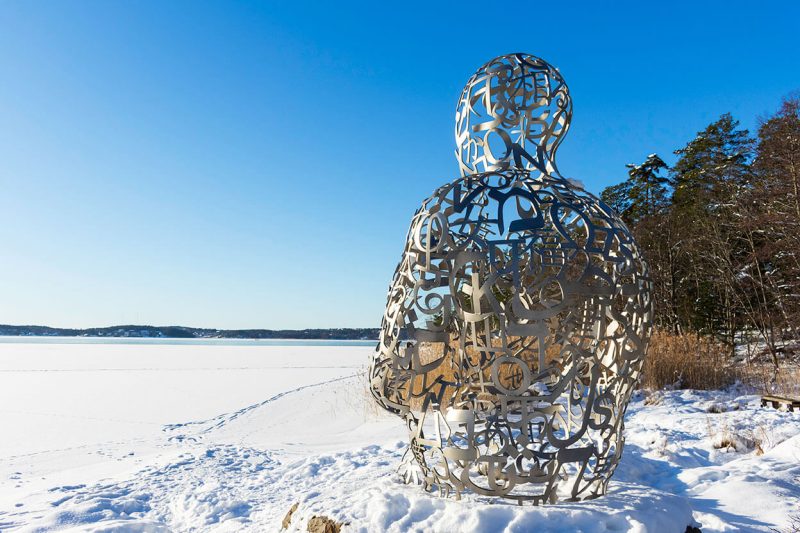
518 317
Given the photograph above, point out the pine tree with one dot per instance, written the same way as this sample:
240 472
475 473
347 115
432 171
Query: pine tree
618 198
643 203
648 189
643 194
711 172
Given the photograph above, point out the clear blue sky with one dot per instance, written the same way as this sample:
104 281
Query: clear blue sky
256 164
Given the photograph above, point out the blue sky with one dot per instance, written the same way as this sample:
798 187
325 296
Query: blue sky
237 165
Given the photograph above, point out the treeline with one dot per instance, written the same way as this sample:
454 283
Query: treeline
721 229
182 332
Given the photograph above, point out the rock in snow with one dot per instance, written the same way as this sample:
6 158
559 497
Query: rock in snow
323 524
288 518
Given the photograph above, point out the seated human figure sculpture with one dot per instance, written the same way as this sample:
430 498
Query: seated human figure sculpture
518 318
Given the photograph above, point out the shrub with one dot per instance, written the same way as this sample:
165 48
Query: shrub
766 379
687 361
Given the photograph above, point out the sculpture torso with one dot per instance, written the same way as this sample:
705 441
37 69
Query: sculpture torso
517 319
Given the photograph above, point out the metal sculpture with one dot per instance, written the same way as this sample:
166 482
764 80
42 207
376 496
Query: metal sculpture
518 317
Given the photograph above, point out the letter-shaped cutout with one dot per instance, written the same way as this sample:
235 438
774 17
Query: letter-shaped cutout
518 317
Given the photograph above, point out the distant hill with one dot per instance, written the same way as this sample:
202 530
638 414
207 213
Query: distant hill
181 332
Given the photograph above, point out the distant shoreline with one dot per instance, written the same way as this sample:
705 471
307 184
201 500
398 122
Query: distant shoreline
56 340
182 332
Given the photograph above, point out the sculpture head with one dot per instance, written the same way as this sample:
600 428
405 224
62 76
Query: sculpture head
513 113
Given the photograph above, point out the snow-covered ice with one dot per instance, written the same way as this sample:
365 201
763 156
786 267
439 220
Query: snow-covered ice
100 437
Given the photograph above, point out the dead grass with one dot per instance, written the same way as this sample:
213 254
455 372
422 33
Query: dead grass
692 361
653 398
794 524
765 380
687 361
724 437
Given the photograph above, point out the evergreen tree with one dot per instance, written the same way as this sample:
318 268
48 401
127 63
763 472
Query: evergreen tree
724 245
712 167
618 198
643 202
643 194
711 171
648 189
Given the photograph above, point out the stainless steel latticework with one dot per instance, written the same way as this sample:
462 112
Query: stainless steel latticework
518 317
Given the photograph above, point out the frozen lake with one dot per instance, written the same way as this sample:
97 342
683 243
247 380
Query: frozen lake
60 395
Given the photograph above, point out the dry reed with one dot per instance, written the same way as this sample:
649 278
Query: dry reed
765 379
687 361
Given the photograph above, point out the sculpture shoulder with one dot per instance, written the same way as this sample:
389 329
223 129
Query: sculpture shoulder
518 205
497 186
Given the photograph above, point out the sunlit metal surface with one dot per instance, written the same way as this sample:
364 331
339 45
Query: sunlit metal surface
518 317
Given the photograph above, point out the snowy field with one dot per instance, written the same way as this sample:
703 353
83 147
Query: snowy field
102 437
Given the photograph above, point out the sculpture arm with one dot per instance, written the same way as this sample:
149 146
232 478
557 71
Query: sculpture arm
417 311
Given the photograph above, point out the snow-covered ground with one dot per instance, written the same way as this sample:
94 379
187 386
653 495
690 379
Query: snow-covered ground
227 438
